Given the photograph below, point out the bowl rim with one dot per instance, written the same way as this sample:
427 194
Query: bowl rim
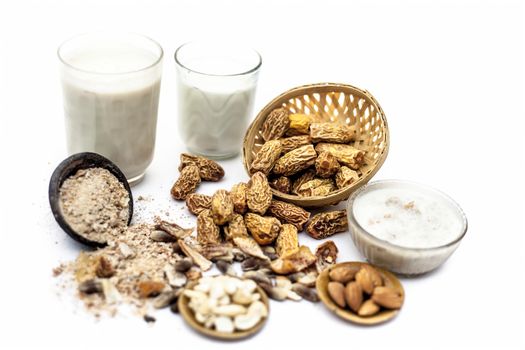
333 196
379 241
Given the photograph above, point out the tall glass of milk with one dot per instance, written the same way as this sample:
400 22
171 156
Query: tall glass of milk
111 84
216 90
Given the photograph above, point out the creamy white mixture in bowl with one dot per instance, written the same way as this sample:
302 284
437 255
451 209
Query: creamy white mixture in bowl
404 226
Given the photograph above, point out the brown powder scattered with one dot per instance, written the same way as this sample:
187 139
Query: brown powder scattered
134 259
95 204
57 271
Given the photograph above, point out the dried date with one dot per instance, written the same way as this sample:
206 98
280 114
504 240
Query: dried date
345 177
258 193
302 179
235 228
265 159
187 182
207 231
331 132
326 224
345 154
299 124
289 213
290 143
238 196
221 207
264 229
287 241
326 165
326 255
208 169
275 125
196 203
316 187
295 161
282 184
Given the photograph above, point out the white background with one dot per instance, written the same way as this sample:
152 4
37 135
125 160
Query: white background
449 76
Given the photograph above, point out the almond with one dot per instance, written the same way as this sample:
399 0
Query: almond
353 296
336 291
368 308
365 280
343 274
377 280
387 297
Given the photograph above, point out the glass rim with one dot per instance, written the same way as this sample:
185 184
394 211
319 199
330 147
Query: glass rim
246 72
377 240
77 36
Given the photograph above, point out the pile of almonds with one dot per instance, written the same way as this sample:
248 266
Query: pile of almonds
226 304
362 290
306 157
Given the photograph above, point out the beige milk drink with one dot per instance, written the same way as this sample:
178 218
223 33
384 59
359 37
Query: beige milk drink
111 95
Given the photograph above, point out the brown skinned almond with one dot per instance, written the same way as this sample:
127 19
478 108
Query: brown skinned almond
365 280
387 297
353 296
368 308
377 280
336 291
343 274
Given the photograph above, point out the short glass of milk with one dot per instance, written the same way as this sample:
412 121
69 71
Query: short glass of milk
111 84
216 90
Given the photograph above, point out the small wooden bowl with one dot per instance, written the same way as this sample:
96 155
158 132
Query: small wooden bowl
382 316
68 167
189 317
330 102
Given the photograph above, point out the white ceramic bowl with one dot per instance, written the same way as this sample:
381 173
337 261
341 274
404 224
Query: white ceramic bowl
397 258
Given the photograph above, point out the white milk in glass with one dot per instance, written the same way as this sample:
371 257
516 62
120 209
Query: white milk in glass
214 109
111 99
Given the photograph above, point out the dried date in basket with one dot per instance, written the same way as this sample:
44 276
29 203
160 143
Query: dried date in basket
265 159
331 132
295 161
345 154
275 124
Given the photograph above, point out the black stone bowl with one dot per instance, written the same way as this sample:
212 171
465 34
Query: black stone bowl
69 167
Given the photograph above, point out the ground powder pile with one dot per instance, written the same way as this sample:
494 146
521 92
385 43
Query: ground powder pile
130 270
95 204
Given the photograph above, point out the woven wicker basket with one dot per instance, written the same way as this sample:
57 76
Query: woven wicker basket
336 103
